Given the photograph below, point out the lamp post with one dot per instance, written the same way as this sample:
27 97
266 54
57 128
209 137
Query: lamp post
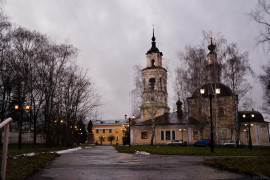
249 134
27 107
211 119
129 129
210 96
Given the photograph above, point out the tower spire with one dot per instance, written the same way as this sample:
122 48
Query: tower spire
211 47
153 38
154 47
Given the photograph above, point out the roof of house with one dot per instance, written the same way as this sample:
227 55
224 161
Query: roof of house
165 119
109 122
248 116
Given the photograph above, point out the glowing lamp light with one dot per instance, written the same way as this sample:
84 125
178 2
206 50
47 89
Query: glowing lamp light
27 107
244 115
16 106
218 91
202 91
252 115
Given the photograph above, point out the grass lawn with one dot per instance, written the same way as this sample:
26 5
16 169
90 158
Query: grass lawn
190 150
255 166
13 149
20 167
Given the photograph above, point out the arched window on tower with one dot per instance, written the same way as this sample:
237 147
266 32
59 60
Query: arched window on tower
144 84
165 85
152 82
153 63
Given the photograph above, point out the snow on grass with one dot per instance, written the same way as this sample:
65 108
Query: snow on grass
68 150
142 153
29 154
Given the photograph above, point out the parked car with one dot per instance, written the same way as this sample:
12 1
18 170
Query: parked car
202 142
232 143
177 143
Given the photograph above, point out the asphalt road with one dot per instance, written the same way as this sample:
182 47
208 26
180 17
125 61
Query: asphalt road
104 162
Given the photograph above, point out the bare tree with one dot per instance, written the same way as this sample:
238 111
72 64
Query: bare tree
111 138
191 75
136 93
265 81
261 15
101 139
236 69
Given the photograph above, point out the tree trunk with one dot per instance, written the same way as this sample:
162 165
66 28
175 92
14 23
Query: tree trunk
153 131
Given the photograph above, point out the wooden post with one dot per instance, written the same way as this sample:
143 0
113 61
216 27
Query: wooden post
5 124
4 155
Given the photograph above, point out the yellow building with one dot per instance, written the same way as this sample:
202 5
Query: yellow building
109 132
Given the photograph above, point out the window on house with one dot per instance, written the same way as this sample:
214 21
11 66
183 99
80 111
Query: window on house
162 135
144 135
168 135
246 133
116 138
221 111
152 82
103 130
263 132
116 131
195 135
110 130
173 135
224 133
96 130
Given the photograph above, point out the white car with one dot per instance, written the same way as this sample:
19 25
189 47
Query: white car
231 143
176 143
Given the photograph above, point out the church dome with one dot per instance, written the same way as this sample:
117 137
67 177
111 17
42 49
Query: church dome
211 88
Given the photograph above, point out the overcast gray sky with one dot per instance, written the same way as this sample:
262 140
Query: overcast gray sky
113 35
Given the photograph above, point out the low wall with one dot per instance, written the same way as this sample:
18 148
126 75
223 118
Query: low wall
27 138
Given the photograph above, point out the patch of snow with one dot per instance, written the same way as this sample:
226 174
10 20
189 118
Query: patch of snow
142 153
68 150
29 154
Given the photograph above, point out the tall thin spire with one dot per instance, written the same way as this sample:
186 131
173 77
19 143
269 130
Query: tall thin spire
211 36
153 38
211 47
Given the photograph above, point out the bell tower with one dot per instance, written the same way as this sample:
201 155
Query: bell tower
154 78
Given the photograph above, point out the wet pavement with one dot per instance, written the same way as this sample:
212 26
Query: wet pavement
104 162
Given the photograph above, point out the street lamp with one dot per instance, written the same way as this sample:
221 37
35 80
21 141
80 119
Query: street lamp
249 133
129 128
182 130
210 96
16 107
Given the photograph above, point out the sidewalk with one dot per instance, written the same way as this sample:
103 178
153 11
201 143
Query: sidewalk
104 162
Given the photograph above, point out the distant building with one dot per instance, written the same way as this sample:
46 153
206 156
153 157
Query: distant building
111 128
228 123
